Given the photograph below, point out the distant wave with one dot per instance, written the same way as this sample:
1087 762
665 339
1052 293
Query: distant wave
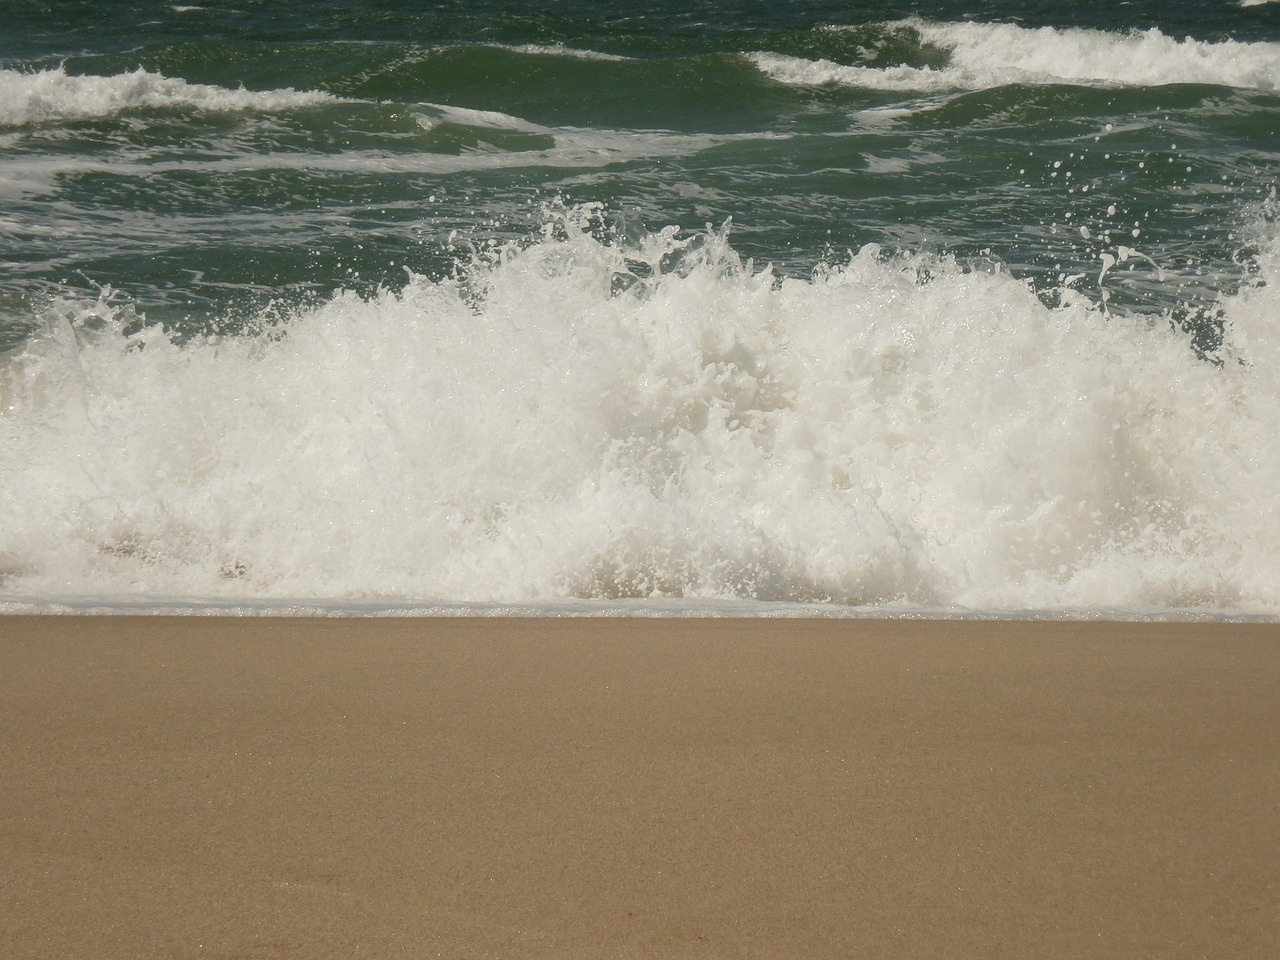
559 50
49 95
992 54
491 119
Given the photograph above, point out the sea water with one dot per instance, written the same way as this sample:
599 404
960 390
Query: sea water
698 307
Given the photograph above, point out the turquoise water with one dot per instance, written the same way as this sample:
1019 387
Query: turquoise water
874 304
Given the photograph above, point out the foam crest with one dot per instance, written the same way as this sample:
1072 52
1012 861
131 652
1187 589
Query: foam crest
433 113
985 55
579 419
1142 58
50 95
560 50
801 72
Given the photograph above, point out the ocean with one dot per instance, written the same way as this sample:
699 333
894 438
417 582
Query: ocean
823 307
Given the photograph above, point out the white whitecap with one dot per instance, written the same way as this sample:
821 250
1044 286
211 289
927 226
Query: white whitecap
985 55
492 119
799 71
51 95
1145 58
559 50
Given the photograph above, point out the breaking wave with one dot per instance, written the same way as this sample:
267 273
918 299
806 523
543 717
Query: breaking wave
659 419
51 95
981 55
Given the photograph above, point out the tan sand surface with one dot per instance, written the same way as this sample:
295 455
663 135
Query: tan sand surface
632 788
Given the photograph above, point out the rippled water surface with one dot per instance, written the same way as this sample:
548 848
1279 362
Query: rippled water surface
888 304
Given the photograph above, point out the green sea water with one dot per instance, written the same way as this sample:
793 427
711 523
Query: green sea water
135 154
208 174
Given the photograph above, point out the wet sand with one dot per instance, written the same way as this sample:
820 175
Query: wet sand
631 788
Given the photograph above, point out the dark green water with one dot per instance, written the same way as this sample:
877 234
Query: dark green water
815 128
858 303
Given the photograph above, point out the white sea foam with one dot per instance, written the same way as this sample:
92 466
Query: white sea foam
559 50
434 113
579 420
570 148
985 55
50 95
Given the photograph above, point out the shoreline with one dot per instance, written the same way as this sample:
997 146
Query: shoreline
307 609
581 787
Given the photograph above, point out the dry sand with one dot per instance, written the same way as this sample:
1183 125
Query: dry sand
564 788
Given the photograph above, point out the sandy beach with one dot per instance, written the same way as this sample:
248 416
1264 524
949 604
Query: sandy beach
630 788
